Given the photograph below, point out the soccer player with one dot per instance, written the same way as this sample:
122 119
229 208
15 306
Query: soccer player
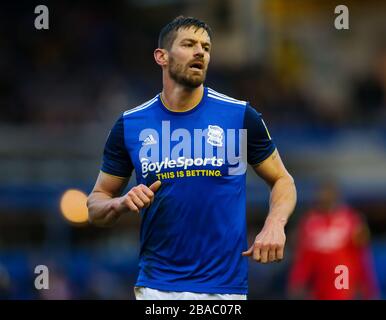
189 150
332 235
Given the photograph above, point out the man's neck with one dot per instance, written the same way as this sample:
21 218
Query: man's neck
179 98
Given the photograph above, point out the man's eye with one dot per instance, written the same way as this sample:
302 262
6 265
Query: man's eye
206 49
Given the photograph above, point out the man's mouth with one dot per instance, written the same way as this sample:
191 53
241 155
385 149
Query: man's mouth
197 65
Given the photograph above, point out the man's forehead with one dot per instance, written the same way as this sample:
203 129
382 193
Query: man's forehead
199 34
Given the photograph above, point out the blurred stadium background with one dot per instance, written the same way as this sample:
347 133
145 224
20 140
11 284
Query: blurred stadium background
322 93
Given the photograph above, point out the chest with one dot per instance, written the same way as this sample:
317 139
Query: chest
201 145
330 234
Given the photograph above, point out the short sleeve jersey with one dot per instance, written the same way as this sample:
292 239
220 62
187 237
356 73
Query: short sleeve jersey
193 234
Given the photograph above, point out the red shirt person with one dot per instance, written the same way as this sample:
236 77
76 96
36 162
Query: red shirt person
329 236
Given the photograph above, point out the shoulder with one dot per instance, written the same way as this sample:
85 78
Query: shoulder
223 99
144 107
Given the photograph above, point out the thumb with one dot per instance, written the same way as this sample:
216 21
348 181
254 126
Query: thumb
248 252
155 186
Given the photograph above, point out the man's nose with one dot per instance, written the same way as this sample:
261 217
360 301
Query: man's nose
199 51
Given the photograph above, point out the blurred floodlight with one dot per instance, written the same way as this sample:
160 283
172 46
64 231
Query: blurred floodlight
73 206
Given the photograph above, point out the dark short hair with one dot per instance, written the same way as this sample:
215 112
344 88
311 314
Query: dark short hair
168 32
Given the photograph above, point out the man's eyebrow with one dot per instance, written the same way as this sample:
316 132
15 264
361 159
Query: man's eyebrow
194 41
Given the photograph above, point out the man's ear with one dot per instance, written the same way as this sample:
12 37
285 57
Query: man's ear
161 57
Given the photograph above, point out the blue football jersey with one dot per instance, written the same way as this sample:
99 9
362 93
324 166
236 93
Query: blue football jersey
193 234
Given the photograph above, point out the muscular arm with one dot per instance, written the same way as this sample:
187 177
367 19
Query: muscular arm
283 191
269 243
105 203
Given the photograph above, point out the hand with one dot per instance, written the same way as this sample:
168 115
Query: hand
269 243
139 197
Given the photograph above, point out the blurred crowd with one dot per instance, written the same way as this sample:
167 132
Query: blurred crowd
97 60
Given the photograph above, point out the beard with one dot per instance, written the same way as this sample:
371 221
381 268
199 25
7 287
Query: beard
183 76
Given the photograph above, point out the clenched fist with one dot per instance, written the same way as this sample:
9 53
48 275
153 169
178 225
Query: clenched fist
139 197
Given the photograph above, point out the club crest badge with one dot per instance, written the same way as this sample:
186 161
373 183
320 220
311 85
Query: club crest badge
215 136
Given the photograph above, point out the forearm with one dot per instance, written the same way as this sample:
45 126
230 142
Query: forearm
282 200
269 243
103 209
